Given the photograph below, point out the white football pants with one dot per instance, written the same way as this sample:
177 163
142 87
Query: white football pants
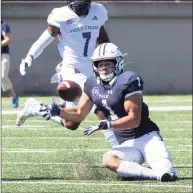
153 151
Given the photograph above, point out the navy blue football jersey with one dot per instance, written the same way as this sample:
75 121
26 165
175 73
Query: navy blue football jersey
111 102
4 30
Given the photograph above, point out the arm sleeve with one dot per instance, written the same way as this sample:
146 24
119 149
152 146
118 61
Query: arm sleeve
135 85
37 48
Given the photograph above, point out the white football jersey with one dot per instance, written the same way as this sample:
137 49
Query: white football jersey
77 40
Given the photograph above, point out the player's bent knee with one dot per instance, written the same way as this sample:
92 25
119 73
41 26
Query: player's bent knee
111 161
72 125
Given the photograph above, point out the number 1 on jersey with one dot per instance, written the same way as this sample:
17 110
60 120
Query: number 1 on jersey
112 115
86 35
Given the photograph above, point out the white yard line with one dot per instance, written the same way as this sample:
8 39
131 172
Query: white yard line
150 102
166 108
79 138
54 128
74 163
147 100
45 128
19 150
100 184
93 121
27 126
9 112
171 108
56 138
168 100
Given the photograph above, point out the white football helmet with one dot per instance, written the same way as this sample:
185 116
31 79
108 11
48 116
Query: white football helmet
107 51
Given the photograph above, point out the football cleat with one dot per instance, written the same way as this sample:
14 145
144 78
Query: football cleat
31 108
166 177
15 102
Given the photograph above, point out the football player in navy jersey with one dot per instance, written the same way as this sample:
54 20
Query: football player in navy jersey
134 137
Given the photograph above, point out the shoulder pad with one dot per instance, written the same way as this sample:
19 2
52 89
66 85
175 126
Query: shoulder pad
100 10
126 76
132 83
59 15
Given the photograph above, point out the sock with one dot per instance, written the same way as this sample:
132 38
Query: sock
134 170
55 119
36 109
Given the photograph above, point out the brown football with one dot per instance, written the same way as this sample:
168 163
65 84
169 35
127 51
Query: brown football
69 90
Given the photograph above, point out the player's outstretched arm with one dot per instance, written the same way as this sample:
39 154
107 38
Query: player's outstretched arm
79 113
37 48
103 36
76 114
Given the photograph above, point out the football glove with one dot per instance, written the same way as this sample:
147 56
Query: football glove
27 62
50 110
103 125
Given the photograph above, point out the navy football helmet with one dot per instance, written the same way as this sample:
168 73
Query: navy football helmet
80 7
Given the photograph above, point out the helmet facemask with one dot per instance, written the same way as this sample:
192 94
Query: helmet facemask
116 69
81 7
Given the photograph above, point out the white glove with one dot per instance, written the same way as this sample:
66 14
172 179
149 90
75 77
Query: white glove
27 62
103 125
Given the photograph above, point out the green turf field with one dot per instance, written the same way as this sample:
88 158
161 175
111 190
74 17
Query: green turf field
42 157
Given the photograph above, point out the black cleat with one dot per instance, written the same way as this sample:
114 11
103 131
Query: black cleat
168 177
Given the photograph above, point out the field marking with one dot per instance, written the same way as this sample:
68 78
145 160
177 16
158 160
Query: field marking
73 163
168 100
147 100
28 126
166 108
24 150
78 138
53 127
43 128
100 184
93 121
171 108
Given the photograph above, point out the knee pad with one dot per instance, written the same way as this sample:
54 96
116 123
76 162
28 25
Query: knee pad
127 154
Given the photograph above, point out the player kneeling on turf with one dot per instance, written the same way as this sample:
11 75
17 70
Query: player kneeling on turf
134 137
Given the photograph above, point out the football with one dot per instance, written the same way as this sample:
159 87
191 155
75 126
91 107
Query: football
69 90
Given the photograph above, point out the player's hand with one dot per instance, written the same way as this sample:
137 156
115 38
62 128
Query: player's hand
103 125
50 110
27 62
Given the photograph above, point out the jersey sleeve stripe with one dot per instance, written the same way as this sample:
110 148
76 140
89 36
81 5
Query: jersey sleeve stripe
132 93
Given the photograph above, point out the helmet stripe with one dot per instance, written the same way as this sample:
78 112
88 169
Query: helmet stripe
104 49
100 49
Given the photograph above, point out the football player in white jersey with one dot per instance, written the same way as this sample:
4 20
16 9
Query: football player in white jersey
126 124
79 27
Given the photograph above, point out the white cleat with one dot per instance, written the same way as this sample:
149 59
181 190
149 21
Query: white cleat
31 108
